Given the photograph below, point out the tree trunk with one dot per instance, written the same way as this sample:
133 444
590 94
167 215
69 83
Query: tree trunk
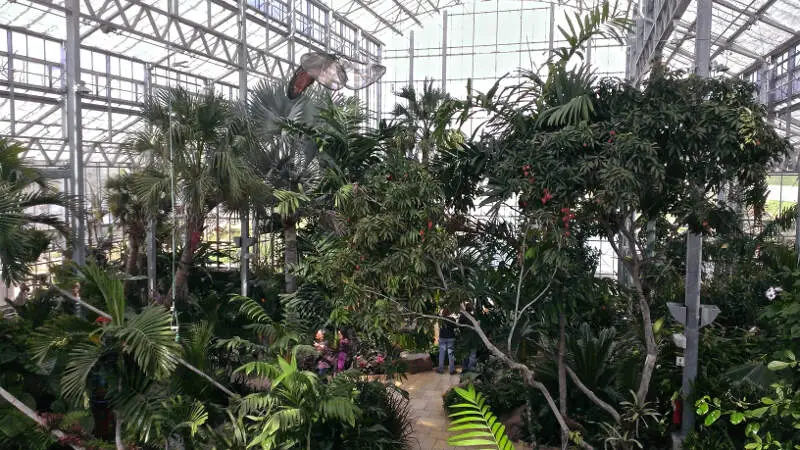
194 232
290 253
562 376
132 261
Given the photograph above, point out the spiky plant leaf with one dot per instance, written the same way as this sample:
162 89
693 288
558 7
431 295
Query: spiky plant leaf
150 340
476 424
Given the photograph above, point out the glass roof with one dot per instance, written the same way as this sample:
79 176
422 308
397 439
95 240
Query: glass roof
195 43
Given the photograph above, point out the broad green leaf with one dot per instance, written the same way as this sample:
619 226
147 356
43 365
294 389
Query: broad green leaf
712 417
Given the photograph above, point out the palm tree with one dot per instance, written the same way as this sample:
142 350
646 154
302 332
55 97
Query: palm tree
22 188
285 416
128 359
419 119
285 158
195 139
132 212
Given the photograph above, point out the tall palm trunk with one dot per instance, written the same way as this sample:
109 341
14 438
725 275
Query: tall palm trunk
194 230
290 252
132 262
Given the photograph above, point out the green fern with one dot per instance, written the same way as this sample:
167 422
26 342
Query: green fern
476 424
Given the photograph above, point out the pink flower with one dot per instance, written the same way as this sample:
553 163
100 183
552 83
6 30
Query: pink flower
379 359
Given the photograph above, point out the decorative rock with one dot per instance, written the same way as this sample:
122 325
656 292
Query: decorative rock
417 362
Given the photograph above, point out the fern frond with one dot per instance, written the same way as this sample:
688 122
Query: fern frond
476 424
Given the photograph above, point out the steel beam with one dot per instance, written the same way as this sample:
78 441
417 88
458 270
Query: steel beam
750 21
648 37
379 17
245 235
694 243
732 47
72 64
444 51
407 11
754 15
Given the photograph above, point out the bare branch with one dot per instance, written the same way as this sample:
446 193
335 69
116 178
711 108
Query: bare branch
31 414
594 398
524 308
183 362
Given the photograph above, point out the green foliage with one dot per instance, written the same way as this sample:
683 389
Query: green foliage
22 187
476 424
773 422
296 401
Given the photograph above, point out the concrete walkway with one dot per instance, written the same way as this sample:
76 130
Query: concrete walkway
425 390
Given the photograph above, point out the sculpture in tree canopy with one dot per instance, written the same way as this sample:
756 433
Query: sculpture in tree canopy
332 71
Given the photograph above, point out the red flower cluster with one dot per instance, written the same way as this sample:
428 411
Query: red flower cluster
567 215
547 196
526 170
613 134
102 320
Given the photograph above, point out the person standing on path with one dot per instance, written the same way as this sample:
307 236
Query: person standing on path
447 342
470 340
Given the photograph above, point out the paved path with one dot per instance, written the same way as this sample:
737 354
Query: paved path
425 391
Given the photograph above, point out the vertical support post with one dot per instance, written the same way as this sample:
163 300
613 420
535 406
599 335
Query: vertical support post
444 51
151 219
694 242
292 28
379 88
327 30
411 59
74 135
245 238
10 79
551 29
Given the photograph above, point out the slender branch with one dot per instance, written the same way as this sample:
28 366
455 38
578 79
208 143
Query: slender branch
592 396
81 302
647 322
31 414
118 434
441 275
544 291
519 284
181 361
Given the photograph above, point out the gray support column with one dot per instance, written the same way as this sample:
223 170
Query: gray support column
552 29
327 36
245 241
411 59
10 80
73 122
444 50
379 89
694 242
152 277
292 28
